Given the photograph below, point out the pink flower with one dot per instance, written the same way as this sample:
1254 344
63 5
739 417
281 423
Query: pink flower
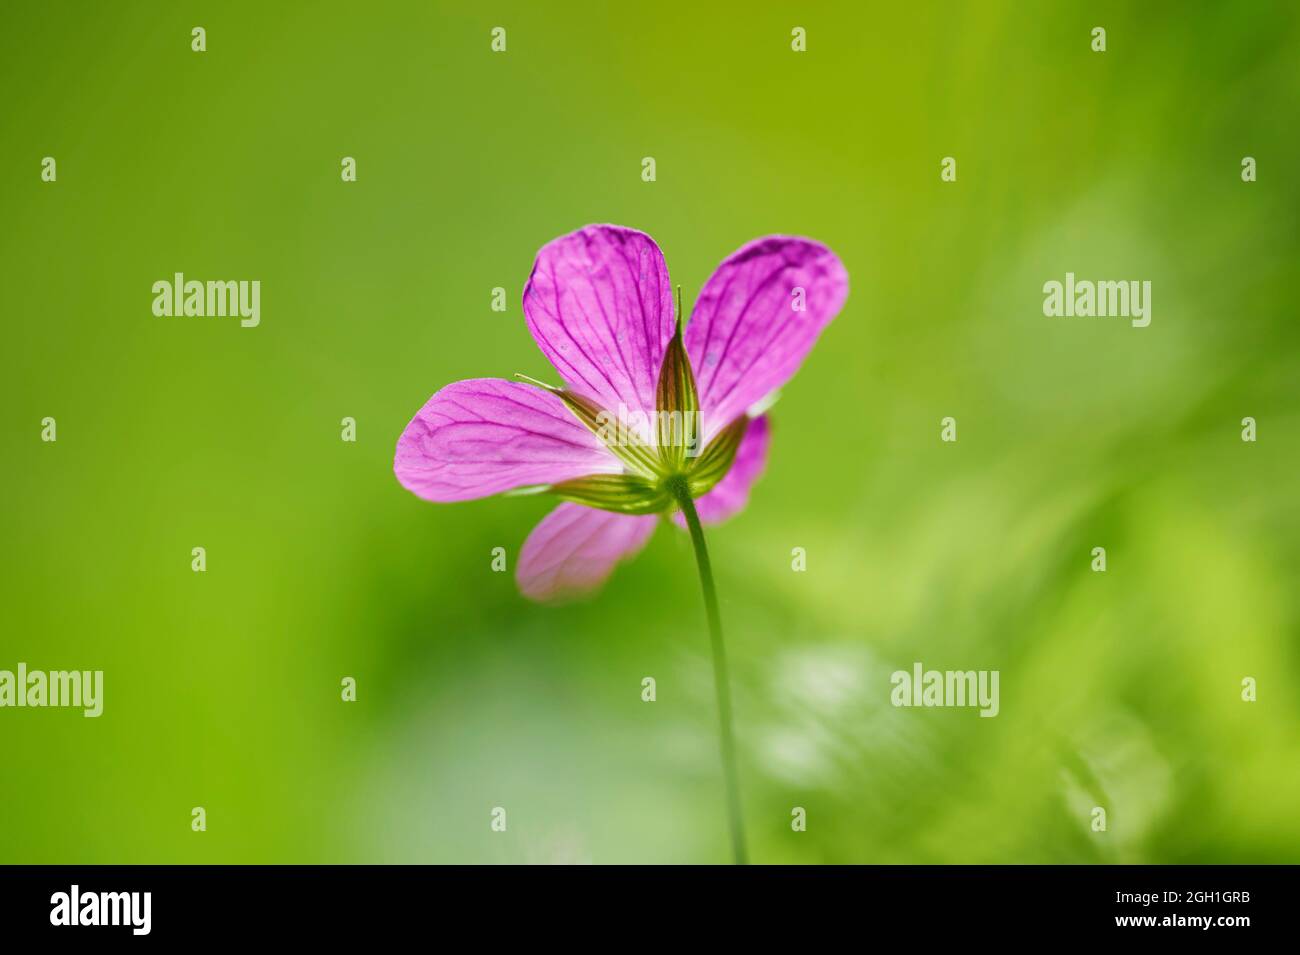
600 306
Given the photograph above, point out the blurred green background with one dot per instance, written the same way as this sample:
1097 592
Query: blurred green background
1119 689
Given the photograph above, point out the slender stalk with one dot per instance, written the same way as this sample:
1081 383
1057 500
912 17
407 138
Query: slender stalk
720 683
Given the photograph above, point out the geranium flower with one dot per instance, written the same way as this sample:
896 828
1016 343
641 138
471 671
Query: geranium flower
651 420
600 306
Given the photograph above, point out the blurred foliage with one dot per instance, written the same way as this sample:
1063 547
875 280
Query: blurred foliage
1119 689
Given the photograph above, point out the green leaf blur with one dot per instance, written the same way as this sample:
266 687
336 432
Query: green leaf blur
1119 689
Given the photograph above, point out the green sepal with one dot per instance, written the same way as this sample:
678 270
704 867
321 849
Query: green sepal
623 442
526 490
715 461
678 406
622 493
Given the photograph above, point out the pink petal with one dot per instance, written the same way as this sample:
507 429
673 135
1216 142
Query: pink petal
600 306
482 436
731 494
745 338
575 548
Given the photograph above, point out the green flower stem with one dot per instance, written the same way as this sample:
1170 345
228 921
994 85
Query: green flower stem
720 683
